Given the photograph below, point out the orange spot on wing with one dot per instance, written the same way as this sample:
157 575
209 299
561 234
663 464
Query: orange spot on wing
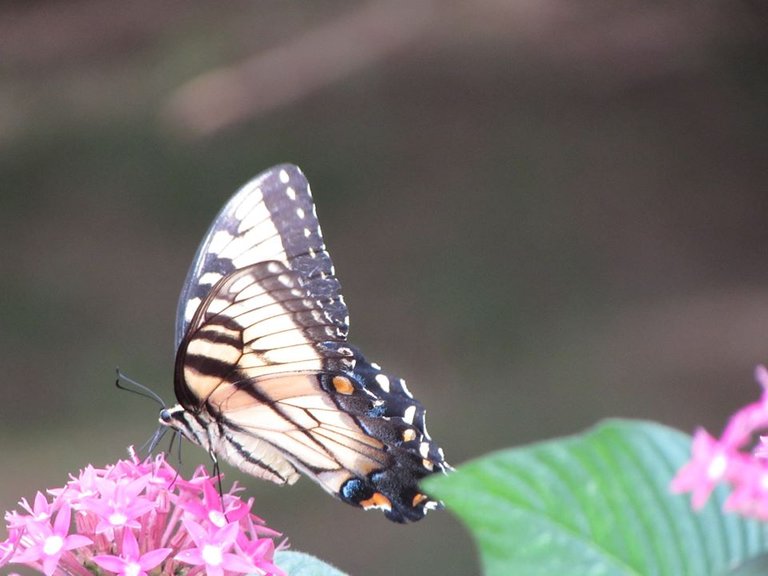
409 434
418 499
378 500
342 385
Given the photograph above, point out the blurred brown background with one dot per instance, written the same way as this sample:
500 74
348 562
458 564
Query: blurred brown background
544 213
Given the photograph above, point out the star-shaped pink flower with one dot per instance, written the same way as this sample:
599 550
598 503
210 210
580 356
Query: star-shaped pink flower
132 518
120 504
212 509
709 465
51 542
131 562
212 549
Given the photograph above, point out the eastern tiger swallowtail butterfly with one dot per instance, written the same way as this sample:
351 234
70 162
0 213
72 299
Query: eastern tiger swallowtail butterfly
265 377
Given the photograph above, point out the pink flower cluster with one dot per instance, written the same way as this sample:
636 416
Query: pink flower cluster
134 517
732 459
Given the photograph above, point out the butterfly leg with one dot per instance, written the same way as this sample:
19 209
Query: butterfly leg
217 473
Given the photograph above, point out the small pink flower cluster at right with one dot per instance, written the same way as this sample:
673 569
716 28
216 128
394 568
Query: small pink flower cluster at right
732 459
134 517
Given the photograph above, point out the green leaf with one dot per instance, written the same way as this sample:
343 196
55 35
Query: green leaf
301 564
757 566
596 503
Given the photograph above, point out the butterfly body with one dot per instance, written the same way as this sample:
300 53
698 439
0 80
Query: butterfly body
265 377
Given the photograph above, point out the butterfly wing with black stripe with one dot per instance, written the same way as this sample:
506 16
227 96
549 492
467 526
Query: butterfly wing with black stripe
264 373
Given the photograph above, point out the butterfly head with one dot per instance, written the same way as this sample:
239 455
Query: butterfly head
184 422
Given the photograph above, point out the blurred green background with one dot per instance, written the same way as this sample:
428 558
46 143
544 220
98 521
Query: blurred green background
543 213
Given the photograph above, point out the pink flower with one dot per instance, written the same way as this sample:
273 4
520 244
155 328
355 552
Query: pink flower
8 547
211 549
119 504
750 490
131 562
212 508
743 424
260 548
731 460
41 509
708 466
132 518
46 544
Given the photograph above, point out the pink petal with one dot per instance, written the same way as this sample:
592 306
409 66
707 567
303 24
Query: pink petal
214 570
154 558
700 496
226 535
744 422
111 563
198 533
237 564
49 564
76 541
130 546
190 556
761 375
61 524
211 497
263 547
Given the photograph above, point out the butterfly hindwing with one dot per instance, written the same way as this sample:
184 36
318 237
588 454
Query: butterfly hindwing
257 321
264 375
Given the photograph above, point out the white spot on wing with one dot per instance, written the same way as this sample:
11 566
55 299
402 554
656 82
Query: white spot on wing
383 381
409 414
300 213
290 192
284 178
405 389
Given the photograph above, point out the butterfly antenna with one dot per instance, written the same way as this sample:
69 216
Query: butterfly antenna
140 389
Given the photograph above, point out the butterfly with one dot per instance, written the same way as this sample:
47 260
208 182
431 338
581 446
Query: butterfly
265 377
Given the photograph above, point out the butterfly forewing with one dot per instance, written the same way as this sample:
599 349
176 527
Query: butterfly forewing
264 375
271 218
